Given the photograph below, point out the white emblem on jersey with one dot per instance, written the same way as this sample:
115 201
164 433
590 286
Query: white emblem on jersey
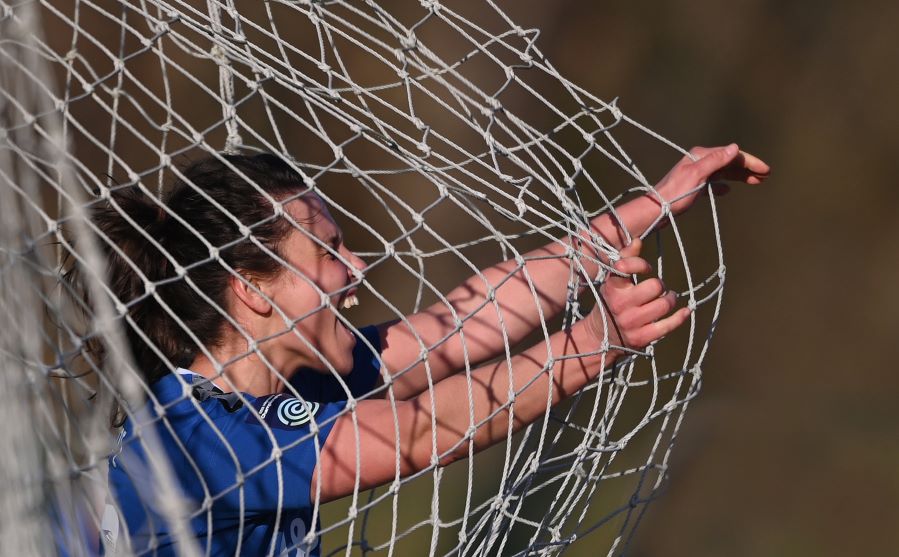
295 412
292 544
109 529
267 405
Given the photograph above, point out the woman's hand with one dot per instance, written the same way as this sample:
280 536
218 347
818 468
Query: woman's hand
712 164
636 314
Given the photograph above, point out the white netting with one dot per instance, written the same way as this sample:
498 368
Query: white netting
442 140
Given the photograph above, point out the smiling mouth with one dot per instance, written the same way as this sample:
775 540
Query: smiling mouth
350 300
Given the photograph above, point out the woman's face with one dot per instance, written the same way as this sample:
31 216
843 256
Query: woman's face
319 275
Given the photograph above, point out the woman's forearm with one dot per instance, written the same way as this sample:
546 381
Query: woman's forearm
478 409
501 305
382 440
631 219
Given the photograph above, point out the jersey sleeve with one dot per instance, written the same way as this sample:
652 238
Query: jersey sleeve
261 457
325 387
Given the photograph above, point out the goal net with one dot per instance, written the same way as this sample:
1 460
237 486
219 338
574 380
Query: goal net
442 139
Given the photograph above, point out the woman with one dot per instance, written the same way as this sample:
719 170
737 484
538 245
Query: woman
233 285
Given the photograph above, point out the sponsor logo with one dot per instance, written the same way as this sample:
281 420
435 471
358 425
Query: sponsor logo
294 412
283 412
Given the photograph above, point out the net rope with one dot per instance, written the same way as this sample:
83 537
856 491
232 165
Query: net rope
436 132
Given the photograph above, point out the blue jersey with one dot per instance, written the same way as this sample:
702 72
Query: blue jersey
243 464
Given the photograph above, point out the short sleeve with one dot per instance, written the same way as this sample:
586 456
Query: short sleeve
274 449
325 387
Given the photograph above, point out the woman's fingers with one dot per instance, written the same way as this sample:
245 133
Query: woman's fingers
628 266
744 168
717 163
646 291
632 249
657 329
639 315
754 164
713 161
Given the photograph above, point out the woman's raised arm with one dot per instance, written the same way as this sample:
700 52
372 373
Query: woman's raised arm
522 292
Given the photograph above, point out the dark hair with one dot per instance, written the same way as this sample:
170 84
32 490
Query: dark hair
211 199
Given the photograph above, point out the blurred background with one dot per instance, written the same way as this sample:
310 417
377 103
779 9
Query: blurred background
792 447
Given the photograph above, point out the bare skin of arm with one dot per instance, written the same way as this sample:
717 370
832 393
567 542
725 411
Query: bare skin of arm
523 292
402 437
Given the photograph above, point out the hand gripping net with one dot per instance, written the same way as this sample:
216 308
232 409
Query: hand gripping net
442 139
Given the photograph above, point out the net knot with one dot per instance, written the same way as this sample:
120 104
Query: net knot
409 42
218 54
432 6
161 27
521 206
499 504
613 108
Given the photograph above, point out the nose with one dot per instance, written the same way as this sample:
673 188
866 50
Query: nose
358 265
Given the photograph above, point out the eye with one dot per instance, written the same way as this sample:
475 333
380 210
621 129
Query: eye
328 253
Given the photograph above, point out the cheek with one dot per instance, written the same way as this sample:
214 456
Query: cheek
297 297
334 278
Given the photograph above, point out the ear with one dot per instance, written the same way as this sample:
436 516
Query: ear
246 291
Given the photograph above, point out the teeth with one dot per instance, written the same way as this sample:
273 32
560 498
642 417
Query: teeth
350 301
